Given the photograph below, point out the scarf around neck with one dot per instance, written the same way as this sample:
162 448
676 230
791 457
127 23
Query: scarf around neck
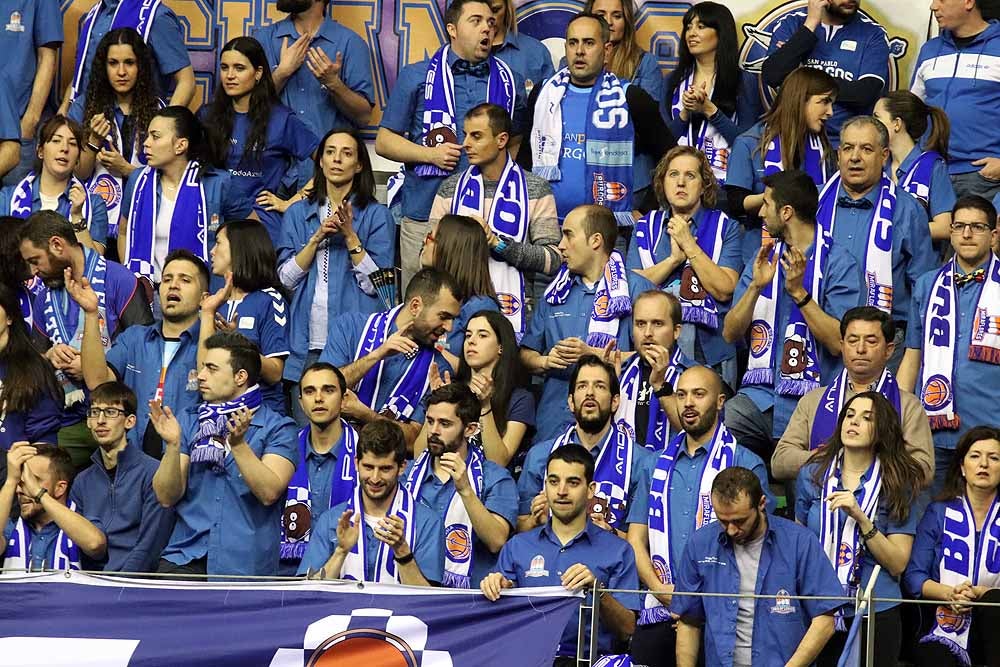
18 554
612 472
703 136
612 300
412 385
825 420
386 569
657 433
211 444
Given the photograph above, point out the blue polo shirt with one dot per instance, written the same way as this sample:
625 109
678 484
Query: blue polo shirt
321 469
40 423
942 193
499 496
532 479
137 359
166 42
808 509
791 563
125 509
302 92
969 377
697 338
526 56
346 331
377 232
42 550
539 558
685 485
97 224
912 253
841 292
223 201
455 341
10 119
427 547
219 516
262 317
39 23
404 116
551 324
857 50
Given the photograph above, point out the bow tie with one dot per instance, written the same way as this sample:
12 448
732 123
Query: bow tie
465 67
977 276
847 202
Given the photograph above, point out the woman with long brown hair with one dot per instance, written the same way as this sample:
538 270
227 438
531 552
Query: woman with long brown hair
628 61
859 494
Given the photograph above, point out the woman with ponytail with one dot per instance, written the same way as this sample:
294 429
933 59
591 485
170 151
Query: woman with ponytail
923 172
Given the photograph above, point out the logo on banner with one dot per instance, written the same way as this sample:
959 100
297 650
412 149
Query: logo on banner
371 637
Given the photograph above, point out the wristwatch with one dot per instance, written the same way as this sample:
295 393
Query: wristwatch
356 251
80 225
405 559
38 496
666 389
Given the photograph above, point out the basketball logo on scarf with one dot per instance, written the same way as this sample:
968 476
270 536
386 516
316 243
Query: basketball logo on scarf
607 191
879 296
458 542
950 620
937 392
601 304
108 189
661 569
760 338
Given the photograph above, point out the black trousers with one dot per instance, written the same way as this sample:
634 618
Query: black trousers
984 637
198 566
888 640
655 645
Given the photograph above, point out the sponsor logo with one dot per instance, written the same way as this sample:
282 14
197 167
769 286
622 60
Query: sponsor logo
15 24
537 568
782 603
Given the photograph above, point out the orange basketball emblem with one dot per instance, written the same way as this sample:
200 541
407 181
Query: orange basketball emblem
363 647
760 337
458 542
601 305
951 621
108 189
937 392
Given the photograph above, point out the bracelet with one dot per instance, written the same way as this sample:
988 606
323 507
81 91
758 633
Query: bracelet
38 496
805 300
80 225
483 414
870 534
96 149
404 560
500 247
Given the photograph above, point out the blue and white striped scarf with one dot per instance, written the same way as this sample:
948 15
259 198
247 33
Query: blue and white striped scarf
411 386
612 300
23 198
612 470
386 568
211 445
18 554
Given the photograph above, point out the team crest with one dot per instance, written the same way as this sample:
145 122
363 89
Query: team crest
371 637
879 295
760 337
15 24
951 621
108 189
782 603
986 324
537 568
844 554
605 191
509 304
937 392
662 569
458 542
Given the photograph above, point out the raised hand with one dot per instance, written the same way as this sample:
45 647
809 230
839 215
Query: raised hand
17 455
210 303
481 385
81 291
577 577
446 155
292 56
77 198
100 128
794 264
658 358
237 424
398 343
764 267
348 531
454 465
326 71
612 355
436 378
165 423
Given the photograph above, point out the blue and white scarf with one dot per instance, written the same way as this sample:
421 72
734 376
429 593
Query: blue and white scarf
697 305
440 122
458 535
211 445
18 555
940 338
657 433
296 521
917 180
609 145
188 225
842 542
721 454
137 14
980 567
410 388
825 421
612 470
508 216
799 372
62 329
813 164
612 300
877 267
386 568
705 137
23 198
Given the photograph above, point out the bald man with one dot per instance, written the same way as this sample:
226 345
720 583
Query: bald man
680 502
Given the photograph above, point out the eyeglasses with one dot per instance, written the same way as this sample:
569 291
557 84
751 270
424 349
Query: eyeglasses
976 227
110 413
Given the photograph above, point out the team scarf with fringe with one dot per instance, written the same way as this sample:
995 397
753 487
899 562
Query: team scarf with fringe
18 555
612 470
386 568
612 300
211 445
657 433
825 421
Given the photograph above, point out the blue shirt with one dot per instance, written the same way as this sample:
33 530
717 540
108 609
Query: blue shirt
551 324
125 509
499 495
526 56
427 547
841 292
942 193
42 550
532 479
342 344
219 516
262 317
808 512
791 563
969 377
39 423
39 24
572 188
302 92
166 42
137 357
857 50
10 120
685 484
404 116
698 342
97 224
912 253
455 341
539 558
321 469
376 231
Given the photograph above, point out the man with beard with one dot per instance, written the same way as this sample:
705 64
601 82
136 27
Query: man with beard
226 465
623 468
790 300
680 502
382 534
48 534
572 551
832 36
474 497
159 360
52 251
752 553
386 357
327 472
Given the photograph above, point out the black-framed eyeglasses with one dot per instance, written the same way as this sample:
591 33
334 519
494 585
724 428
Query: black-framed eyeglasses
110 413
976 228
